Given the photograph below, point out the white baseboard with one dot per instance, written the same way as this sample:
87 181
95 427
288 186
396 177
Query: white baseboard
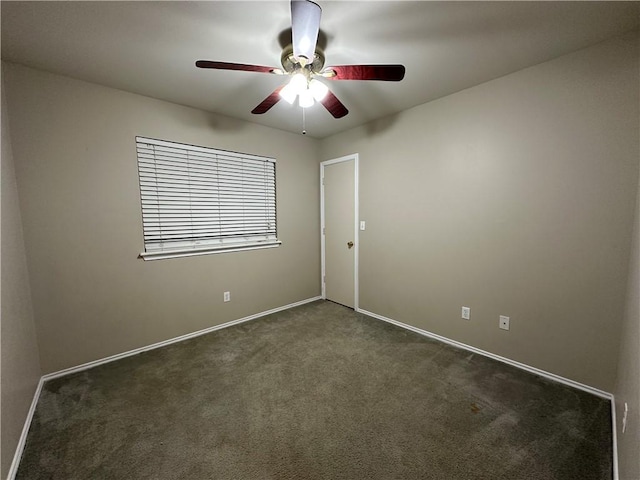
25 431
523 366
614 433
85 366
164 343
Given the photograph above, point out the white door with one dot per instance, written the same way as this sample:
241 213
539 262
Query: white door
340 242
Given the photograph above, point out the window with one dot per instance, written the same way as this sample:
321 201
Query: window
198 200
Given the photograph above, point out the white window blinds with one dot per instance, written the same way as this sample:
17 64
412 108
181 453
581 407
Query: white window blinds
198 200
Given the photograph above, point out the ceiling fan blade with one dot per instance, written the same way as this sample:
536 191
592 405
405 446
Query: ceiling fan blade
335 106
386 73
235 66
305 25
268 102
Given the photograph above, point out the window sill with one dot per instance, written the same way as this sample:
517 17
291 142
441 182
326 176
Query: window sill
192 252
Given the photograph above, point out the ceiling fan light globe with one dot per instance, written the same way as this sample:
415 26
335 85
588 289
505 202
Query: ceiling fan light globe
298 83
288 94
306 99
318 89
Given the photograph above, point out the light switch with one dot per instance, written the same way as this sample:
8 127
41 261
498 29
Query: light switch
362 225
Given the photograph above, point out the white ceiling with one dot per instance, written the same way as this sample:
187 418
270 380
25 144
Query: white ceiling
150 48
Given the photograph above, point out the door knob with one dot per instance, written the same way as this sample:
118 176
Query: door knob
350 244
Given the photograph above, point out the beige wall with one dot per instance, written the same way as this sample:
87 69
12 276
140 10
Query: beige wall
19 358
514 197
628 382
74 149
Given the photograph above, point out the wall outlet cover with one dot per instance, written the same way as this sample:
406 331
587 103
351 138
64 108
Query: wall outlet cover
466 313
504 322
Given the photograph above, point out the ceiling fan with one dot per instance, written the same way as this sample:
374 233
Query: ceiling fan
305 64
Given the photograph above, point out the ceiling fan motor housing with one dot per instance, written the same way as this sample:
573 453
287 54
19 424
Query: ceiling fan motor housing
290 64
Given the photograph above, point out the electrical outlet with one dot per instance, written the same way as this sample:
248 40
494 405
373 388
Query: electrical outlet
624 417
504 322
466 313
227 296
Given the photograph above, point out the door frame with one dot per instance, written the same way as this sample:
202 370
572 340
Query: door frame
356 238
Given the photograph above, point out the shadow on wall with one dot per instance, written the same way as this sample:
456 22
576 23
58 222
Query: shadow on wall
378 126
213 121
222 123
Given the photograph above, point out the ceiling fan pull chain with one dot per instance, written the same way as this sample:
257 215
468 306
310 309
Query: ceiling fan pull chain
304 128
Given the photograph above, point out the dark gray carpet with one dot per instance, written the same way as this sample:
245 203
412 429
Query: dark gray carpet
315 392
